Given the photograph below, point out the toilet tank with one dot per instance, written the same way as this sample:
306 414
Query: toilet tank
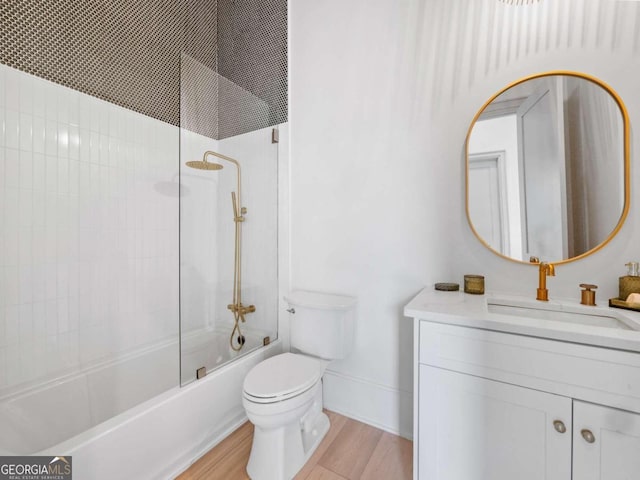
323 325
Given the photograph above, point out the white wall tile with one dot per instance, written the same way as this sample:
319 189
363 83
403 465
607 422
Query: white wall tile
51 174
25 208
85 144
3 175
63 139
25 131
25 246
50 101
103 117
26 169
51 317
39 103
39 321
2 127
26 323
39 280
11 249
12 129
78 211
14 371
73 101
39 134
26 94
51 137
94 145
12 324
3 334
11 196
62 105
63 175
74 141
39 173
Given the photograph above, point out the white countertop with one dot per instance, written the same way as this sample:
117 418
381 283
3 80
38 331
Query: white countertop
458 308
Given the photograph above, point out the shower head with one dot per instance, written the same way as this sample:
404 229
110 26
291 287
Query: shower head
204 165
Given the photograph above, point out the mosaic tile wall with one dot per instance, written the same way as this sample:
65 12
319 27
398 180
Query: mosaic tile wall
128 52
255 58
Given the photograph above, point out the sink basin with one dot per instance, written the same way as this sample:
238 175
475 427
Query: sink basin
562 313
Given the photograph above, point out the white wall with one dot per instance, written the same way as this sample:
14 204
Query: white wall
367 198
382 95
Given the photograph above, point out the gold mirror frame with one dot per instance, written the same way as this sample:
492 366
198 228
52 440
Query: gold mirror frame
626 167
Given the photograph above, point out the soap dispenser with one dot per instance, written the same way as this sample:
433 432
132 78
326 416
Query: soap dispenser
630 283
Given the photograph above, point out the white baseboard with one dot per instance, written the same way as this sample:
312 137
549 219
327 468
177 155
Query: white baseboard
383 407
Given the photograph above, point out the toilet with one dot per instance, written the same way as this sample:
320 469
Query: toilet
282 395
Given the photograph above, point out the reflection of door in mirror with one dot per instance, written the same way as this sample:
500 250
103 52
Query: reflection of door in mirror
494 195
542 171
488 200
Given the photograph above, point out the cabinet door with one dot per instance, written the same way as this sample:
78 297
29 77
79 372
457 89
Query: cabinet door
471 428
606 443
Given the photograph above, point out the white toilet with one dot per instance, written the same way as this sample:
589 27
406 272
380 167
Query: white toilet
283 394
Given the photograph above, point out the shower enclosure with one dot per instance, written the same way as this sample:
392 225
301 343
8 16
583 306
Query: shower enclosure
228 222
117 262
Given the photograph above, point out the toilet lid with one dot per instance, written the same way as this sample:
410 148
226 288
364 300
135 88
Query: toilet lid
283 375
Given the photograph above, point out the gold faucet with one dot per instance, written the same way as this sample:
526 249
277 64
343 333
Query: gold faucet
546 269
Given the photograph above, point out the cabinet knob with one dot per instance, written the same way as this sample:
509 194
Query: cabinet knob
588 436
559 426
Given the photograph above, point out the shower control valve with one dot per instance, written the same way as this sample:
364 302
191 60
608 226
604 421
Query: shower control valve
241 309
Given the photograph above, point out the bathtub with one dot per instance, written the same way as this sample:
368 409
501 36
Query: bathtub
106 419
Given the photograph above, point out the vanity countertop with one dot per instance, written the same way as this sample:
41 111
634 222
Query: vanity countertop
458 308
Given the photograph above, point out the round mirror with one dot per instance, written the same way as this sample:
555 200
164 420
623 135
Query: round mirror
548 168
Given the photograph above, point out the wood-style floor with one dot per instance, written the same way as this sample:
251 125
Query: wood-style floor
351 450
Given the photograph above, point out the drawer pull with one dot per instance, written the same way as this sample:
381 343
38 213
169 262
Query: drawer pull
588 436
559 426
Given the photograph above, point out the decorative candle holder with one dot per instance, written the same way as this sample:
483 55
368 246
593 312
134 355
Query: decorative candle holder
474 284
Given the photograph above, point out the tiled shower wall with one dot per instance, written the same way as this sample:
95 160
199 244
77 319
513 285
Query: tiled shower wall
88 210
128 52
88 230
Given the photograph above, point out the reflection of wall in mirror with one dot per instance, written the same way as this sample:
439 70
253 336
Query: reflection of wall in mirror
594 152
492 135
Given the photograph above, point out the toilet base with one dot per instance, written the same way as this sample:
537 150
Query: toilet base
280 453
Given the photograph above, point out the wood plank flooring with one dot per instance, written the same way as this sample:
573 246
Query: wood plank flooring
351 450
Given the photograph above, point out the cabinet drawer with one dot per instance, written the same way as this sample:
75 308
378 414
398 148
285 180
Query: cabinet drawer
595 374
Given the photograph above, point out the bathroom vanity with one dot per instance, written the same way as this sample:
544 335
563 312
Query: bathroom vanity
509 388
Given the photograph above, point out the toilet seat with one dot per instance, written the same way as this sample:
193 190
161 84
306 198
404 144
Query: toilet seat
282 377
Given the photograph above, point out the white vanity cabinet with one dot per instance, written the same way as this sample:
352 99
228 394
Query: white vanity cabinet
498 405
613 451
474 428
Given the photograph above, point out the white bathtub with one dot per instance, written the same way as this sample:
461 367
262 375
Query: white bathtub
157 438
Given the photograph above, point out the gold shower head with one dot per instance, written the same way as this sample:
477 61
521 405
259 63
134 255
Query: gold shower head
204 165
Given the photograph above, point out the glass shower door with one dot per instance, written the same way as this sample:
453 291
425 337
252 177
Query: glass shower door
228 222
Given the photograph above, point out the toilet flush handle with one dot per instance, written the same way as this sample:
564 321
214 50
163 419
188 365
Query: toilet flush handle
291 310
